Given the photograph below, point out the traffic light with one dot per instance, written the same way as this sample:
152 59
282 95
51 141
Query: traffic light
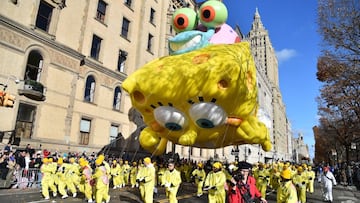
8 100
1 97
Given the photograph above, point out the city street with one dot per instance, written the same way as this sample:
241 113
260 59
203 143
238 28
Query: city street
186 194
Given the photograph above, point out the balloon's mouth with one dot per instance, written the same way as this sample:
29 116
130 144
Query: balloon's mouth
185 45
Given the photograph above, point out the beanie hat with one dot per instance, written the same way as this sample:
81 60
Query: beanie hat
72 160
217 165
286 174
60 161
147 160
45 160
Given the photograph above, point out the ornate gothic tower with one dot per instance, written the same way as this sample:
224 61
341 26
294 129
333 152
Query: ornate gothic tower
267 65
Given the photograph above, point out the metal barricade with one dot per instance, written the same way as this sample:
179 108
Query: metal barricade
23 178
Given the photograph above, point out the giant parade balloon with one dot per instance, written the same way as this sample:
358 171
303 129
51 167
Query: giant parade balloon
205 93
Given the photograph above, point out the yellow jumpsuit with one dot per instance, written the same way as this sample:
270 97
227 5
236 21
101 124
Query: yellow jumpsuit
107 167
73 177
160 172
146 178
47 180
133 172
115 173
286 193
216 182
121 174
262 181
102 184
171 180
300 181
62 179
126 168
199 175
274 178
86 181
311 178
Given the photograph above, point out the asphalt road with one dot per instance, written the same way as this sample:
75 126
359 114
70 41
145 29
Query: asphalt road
186 194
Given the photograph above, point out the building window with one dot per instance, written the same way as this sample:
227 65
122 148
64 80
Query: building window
43 17
101 10
152 16
95 47
150 41
85 125
90 89
117 98
114 131
33 66
201 152
127 2
125 28
25 121
121 60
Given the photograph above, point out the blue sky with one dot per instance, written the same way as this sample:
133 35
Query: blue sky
293 33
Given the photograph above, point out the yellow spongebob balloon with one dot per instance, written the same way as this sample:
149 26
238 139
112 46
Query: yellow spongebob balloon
205 98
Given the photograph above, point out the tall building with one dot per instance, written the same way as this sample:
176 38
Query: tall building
270 98
300 150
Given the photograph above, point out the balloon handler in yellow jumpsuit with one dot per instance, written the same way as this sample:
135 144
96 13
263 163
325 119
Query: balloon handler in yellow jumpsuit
62 169
133 172
102 181
311 178
286 192
86 180
215 184
47 180
146 179
115 173
171 180
300 180
199 177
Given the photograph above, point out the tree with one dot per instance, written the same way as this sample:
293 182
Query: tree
339 69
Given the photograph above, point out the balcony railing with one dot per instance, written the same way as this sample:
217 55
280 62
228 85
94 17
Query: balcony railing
33 90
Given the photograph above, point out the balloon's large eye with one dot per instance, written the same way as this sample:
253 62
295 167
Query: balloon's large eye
184 19
207 114
170 118
213 14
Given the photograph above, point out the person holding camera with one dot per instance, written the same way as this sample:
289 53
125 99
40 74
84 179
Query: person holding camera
243 186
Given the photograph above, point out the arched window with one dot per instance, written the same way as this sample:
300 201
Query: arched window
117 98
89 89
33 66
